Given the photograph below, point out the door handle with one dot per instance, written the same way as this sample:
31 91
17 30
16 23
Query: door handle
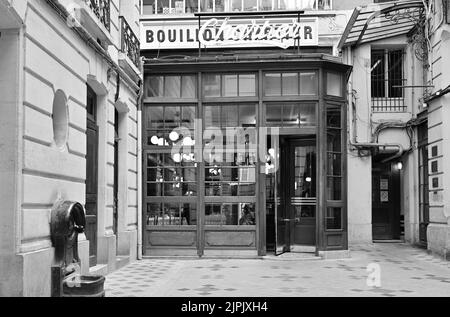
287 220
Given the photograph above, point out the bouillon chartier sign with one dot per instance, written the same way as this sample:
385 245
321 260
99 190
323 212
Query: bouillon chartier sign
226 32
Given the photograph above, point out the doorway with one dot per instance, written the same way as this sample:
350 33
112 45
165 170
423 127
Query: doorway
385 201
295 215
91 175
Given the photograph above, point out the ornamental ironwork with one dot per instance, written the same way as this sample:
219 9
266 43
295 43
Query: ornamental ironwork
130 43
102 9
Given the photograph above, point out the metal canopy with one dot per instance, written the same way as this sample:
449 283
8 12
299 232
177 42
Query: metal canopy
380 21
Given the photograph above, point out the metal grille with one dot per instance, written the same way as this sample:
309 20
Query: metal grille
387 81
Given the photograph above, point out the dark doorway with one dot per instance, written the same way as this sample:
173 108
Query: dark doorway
295 215
91 175
385 201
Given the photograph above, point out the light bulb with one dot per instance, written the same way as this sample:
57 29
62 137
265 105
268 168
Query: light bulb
173 136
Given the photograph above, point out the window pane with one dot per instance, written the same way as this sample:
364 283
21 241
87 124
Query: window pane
230 85
395 74
220 5
250 5
154 214
265 5
230 116
334 84
273 115
333 116
290 84
334 218
189 214
178 7
154 189
211 85
189 86
247 215
308 83
172 118
191 6
308 115
213 215
163 7
155 117
247 116
334 166
290 115
236 5
212 116
272 84
148 7
172 214
334 188
188 118
206 5
230 212
154 86
247 85
172 87
378 73
334 143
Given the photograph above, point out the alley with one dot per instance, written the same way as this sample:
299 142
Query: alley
404 271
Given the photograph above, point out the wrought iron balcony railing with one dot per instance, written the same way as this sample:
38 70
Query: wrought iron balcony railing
130 43
102 9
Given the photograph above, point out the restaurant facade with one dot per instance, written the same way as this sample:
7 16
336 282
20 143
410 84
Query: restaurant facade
244 132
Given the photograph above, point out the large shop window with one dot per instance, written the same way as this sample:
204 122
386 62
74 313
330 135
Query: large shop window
171 170
291 84
335 181
230 163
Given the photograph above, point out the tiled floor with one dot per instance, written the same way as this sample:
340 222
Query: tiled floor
405 271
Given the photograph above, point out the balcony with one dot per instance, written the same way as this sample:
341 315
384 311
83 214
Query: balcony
129 57
102 10
182 7
94 16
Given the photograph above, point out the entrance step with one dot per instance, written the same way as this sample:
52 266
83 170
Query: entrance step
293 256
121 261
99 269
389 241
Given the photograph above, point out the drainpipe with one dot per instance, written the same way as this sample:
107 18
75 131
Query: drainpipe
140 225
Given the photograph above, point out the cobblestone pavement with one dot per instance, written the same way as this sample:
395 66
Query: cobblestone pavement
405 271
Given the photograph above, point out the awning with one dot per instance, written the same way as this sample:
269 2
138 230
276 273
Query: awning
380 21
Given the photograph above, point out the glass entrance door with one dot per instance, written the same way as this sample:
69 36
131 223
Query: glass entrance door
295 215
302 192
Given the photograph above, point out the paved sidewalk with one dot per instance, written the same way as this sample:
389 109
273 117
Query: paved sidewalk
405 271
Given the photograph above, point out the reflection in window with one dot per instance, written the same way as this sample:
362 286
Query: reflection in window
232 214
230 167
229 85
290 84
171 174
334 84
334 152
334 218
171 214
171 86
290 115
308 83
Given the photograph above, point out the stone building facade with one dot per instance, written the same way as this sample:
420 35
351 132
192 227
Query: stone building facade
70 86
